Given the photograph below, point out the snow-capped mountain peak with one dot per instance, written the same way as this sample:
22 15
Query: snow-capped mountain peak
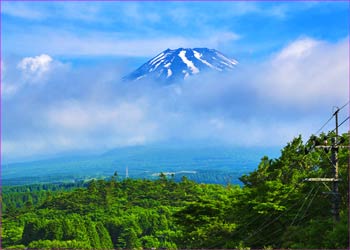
181 63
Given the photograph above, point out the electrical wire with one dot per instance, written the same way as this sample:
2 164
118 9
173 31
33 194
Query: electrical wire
255 218
268 224
304 202
346 104
304 198
324 125
344 121
307 208
289 192
260 230
295 220
303 217
340 124
272 239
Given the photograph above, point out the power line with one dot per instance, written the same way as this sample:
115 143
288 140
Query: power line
324 124
245 228
266 225
307 208
344 105
280 240
338 109
310 195
302 206
341 123
344 121
306 197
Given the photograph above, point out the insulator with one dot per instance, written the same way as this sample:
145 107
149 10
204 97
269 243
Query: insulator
325 140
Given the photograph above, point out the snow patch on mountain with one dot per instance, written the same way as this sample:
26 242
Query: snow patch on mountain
189 64
171 65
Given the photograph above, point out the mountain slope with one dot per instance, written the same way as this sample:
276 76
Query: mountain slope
181 63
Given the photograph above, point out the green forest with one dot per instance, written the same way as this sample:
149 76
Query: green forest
274 208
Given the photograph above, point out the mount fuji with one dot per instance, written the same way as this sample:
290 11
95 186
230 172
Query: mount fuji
179 64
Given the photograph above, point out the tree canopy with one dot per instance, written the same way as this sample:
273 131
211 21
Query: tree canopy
275 207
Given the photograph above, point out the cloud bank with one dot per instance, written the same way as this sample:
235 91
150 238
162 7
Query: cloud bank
54 107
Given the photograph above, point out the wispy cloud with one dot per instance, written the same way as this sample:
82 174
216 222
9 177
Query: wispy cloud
140 12
39 11
144 28
109 44
23 10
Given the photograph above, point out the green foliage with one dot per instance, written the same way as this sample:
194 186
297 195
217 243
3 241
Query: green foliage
50 244
105 239
17 247
150 242
275 208
33 230
11 232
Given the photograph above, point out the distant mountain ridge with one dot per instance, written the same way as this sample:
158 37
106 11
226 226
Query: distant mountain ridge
142 162
171 65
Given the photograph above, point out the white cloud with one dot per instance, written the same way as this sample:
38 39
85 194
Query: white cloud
74 115
297 49
35 68
306 74
252 132
99 124
28 71
267 104
22 148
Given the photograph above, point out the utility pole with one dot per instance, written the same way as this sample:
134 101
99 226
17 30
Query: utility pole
335 172
334 158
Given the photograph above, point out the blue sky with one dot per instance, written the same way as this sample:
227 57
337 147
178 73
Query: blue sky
62 63
242 29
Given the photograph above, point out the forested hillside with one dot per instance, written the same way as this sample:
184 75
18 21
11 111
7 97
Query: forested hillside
275 208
